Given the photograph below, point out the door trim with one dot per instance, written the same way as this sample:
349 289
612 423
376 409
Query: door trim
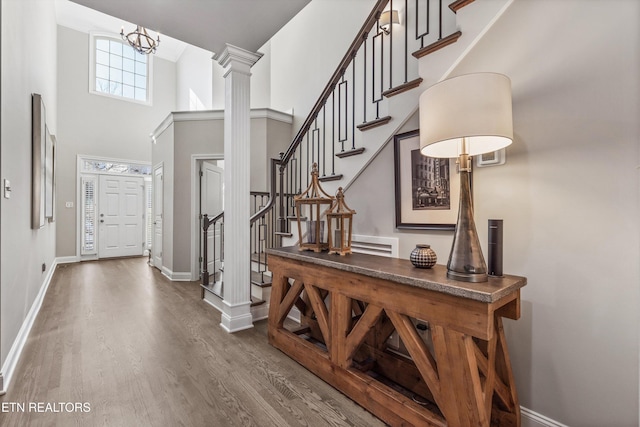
79 174
157 166
195 221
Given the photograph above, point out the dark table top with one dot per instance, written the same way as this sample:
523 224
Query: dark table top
403 272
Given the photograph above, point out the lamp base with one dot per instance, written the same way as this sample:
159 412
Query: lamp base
466 262
467 277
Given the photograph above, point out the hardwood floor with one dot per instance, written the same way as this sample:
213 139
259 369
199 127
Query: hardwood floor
144 351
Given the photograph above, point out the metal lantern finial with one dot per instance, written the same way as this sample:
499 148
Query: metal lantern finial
340 218
311 208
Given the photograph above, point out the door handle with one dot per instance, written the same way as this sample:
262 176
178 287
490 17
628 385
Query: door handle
102 220
101 215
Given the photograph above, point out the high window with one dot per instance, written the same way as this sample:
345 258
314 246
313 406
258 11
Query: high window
119 71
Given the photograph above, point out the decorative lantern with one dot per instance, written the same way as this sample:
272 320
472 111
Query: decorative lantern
311 207
340 217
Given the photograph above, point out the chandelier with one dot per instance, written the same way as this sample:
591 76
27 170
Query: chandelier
140 40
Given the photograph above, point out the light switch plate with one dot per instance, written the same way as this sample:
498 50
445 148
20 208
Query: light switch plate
7 189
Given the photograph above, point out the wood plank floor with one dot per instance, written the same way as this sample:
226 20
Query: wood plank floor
144 351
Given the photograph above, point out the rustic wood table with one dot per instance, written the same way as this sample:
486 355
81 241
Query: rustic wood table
455 373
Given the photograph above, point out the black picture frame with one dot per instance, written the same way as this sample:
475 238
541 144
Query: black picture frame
427 190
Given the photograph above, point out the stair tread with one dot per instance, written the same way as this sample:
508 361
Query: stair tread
459 4
350 153
262 257
445 41
256 301
374 123
214 288
334 177
262 280
402 88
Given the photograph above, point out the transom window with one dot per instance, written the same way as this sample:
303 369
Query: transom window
120 71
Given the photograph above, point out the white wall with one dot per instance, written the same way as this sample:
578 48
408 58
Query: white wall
193 80
568 195
98 125
28 66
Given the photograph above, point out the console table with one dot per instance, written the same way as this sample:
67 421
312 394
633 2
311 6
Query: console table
453 370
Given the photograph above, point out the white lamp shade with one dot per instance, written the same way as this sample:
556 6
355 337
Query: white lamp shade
476 107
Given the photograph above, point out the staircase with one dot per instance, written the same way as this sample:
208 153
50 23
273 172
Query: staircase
370 96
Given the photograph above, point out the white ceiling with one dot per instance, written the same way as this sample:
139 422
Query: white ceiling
208 24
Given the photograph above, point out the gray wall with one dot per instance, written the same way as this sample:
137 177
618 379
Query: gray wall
98 125
569 197
175 147
192 137
28 66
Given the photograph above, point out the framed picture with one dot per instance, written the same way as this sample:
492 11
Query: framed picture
427 189
38 152
49 176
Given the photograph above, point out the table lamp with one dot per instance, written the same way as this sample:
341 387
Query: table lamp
462 117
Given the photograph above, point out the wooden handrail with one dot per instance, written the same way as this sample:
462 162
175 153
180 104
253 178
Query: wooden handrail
205 226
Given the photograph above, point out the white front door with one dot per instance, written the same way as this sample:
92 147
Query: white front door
156 248
121 216
212 203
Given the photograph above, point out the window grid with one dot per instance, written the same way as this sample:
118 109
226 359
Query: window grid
115 167
120 70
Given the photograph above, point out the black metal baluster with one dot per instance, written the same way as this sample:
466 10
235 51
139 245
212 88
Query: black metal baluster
308 164
353 101
419 35
324 138
333 131
342 95
364 80
390 44
300 168
440 21
374 90
406 40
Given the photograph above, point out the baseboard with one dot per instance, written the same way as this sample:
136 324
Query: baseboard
236 317
260 312
533 419
176 276
11 362
67 259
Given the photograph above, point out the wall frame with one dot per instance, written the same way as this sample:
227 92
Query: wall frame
38 152
427 190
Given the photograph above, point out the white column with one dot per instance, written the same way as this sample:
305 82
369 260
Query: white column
236 314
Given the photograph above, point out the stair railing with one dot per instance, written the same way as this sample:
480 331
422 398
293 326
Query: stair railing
206 225
379 63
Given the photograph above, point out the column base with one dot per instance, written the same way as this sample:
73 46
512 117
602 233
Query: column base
236 317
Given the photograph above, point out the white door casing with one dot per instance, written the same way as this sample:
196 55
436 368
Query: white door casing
156 248
121 216
212 203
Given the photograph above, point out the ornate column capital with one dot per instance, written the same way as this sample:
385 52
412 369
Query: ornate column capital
237 59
